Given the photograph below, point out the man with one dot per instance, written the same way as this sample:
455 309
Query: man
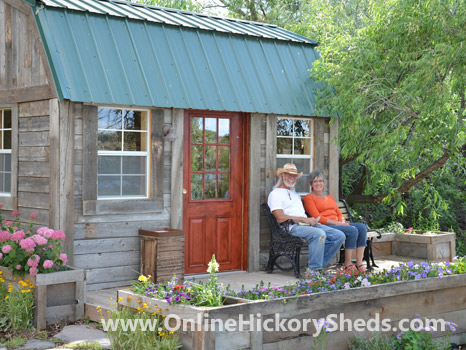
285 204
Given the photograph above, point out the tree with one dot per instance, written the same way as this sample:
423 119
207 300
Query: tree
187 5
397 81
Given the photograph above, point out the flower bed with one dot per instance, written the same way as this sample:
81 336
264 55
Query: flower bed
37 257
399 293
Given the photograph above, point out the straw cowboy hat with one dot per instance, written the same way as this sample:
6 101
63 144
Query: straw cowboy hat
289 169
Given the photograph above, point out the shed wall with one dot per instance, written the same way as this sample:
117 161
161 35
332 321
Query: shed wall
23 76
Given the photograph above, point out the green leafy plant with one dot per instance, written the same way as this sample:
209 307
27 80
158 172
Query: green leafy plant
85 346
378 342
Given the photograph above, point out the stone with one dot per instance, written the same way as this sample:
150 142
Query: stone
38 344
78 334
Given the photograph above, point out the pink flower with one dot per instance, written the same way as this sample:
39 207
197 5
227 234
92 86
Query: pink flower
33 271
45 231
51 246
18 236
48 264
409 230
59 234
7 222
1 255
39 240
33 215
33 261
15 213
63 257
7 248
4 236
1 205
28 245
18 267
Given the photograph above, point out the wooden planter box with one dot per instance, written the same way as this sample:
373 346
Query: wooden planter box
162 254
58 296
434 298
439 246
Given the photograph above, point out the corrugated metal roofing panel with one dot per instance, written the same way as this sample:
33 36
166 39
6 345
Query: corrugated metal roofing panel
107 59
178 17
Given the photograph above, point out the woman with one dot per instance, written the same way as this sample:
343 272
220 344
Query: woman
318 204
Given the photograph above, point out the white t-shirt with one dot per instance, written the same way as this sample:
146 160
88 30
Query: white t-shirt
288 201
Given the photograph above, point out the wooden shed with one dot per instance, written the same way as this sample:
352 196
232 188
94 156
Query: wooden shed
89 91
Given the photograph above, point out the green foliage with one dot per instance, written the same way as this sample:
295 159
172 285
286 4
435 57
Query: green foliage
16 306
142 340
15 342
86 346
187 5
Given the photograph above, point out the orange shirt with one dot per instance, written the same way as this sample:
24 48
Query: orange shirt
326 208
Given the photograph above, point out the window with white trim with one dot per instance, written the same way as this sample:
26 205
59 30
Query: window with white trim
5 152
123 153
295 144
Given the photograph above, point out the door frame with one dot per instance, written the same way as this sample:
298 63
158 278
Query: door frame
245 121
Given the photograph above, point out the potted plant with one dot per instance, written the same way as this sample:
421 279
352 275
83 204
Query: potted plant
36 258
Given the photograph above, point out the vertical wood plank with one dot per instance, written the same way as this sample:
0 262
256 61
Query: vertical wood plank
54 164
40 293
319 144
176 171
90 152
66 173
8 48
14 156
2 47
79 296
254 193
270 153
157 116
334 157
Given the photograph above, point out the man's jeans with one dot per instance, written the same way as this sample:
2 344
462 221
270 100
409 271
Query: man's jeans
323 242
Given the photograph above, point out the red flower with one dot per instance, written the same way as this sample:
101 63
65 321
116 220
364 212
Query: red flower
178 287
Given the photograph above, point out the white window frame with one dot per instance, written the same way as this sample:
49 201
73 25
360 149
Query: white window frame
299 156
6 151
127 153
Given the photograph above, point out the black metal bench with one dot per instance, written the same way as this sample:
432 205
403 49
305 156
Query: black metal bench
282 243
371 234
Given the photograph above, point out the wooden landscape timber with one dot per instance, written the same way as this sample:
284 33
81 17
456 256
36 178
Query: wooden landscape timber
58 296
433 298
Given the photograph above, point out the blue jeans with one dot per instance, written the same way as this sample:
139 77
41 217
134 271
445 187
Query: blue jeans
356 234
323 242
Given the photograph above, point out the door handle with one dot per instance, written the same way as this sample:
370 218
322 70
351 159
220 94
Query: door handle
185 191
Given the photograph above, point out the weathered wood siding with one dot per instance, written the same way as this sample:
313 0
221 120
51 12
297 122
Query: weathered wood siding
323 157
23 72
107 244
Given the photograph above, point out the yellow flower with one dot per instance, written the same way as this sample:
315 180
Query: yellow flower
139 301
6 297
159 310
129 298
120 299
110 298
98 308
143 278
144 305
139 308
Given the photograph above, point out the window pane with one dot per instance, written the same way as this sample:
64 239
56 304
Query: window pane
210 158
134 185
135 141
224 158
302 146
7 139
284 127
7 178
284 146
224 131
302 128
108 186
211 130
7 118
134 165
135 120
6 160
224 186
196 158
196 130
196 186
109 140
109 118
210 186
109 165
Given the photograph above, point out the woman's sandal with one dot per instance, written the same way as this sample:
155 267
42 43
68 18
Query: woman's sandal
361 268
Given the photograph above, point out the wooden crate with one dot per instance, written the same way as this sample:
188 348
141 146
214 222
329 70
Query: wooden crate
434 298
439 246
162 254
58 296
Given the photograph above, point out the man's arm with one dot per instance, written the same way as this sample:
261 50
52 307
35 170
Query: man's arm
282 217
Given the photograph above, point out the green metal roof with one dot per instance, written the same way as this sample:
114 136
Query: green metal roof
113 52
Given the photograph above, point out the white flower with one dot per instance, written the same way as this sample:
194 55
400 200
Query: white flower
213 265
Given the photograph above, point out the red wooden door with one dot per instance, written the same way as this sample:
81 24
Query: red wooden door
213 190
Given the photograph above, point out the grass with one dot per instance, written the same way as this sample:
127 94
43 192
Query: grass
85 346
